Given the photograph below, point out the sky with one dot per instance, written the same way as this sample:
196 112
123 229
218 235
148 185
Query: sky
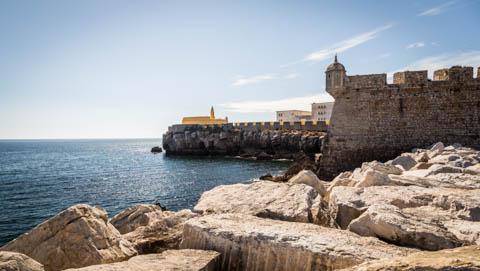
129 69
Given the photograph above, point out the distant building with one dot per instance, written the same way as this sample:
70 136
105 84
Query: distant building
293 115
322 111
205 119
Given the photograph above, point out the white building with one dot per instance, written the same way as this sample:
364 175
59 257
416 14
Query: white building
322 111
293 115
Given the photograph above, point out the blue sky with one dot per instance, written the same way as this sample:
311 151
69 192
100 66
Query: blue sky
119 69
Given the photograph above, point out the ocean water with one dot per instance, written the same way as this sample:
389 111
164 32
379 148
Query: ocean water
39 178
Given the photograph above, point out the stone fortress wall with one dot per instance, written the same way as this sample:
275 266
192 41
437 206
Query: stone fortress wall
374 120
317 126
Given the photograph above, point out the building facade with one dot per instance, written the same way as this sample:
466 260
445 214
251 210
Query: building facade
322 111
293 115
205 119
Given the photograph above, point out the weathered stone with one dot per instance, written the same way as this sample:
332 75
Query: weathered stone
309 178
135 216
372 178
170 260
78 236
163 233
406 161
13 261
462 258
247 242
415 227
428 218
283 201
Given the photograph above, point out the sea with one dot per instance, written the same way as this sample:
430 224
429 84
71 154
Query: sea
39 178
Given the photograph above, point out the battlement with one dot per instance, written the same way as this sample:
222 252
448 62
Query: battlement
319 126
411 77
366 81
455 73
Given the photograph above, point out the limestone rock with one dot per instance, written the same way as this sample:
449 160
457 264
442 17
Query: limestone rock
170 260
428 218
372 178
135 216
309 178
283 201
462 258
247 242
406 161
161 234
414 227
13 261
78 236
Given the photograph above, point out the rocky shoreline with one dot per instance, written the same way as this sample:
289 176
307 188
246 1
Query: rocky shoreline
232 141
419 211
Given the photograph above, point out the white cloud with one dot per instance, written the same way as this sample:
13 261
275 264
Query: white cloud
436 10
299 103
243 81
291 76
416 45
345 45
442 61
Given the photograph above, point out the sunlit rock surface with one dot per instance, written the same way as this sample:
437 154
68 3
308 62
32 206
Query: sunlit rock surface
170 260
250 243
282 201
78 236
463 258
13 261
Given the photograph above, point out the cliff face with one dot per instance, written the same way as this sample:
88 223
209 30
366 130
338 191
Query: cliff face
229 140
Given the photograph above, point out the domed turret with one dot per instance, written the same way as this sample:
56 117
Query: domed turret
335 76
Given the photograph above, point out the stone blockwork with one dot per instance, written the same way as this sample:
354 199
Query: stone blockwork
231 140
373 120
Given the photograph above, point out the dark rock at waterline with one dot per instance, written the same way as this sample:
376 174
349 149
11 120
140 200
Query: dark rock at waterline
157 149
266 177
264 156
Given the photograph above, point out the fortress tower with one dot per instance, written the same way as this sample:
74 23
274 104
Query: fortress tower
335 77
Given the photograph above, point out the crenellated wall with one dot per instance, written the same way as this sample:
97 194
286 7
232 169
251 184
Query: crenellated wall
373 120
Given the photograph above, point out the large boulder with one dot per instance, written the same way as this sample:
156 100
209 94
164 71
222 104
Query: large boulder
427 218
309 178
170 260
135 216
248 242
163 233
78 236
462 258
13 261
283 201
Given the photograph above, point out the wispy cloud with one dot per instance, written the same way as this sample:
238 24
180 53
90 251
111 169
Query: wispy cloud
291 75
415 45
433 63
243 81
345 45
436 10
300 103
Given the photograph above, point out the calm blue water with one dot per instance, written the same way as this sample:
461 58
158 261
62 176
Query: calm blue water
40 178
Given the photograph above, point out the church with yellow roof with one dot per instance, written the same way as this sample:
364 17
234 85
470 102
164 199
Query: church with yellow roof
205 119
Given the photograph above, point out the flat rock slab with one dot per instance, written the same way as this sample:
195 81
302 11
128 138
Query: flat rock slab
463 258
250 243
282 201
170 260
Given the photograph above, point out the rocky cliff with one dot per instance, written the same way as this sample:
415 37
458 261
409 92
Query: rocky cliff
230 140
